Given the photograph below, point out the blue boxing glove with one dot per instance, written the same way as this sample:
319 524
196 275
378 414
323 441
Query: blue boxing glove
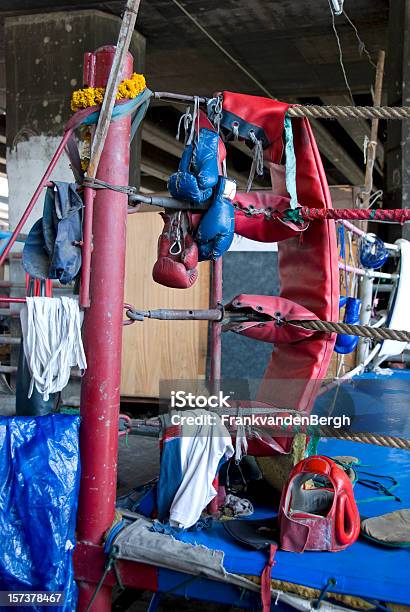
184 186
346 343
198 169
216 228
205 158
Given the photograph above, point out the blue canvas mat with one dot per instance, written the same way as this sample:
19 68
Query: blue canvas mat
364 569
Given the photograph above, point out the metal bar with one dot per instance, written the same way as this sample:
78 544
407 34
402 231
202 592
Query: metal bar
366 296
5 284
7 369
4 339
166 202
181 98
169 314
87 246
12 300
102 333
359 232
369 273
36 195
216 328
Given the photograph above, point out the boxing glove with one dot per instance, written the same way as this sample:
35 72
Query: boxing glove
184 186
216 228
177 261
198 169
346 343
205 158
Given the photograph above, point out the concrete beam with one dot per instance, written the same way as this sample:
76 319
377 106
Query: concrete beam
337 155
356 128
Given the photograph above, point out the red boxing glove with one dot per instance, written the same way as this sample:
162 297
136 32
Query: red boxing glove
177 261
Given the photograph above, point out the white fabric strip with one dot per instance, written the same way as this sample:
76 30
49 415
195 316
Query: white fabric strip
52 342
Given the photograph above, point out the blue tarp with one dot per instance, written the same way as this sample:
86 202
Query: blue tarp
39 484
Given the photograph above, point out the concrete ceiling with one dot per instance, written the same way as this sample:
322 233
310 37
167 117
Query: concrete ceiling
288 45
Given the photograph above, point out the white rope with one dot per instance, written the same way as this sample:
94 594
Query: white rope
241 443
52 342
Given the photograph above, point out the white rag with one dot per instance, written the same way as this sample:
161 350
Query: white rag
202 448
51 329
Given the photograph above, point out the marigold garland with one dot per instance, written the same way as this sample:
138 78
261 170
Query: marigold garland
91 96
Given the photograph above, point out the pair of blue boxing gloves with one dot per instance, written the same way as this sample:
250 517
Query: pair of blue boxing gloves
198 181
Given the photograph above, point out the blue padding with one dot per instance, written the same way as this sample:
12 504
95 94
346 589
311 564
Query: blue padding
39 482
374 402
205 590
364 569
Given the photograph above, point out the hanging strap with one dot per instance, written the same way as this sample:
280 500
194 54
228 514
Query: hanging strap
290 163
266 579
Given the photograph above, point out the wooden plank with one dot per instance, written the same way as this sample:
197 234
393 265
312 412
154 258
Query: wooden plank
159 350
114 79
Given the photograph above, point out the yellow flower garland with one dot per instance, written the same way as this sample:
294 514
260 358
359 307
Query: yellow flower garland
91 96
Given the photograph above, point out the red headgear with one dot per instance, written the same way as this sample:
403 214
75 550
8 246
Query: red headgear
313 517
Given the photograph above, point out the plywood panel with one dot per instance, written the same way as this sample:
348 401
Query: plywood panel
155 350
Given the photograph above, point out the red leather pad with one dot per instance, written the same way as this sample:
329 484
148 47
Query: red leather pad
267 114
270 331
308 261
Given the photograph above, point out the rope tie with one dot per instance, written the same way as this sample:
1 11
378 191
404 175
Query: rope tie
99 184
195 118
241 443
185 120
235 131
176 246
52 342
257 159
217 118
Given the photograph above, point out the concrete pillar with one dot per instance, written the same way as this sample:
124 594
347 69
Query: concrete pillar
41 74
397 178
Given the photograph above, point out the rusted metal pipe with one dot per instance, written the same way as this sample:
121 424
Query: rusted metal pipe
102 333
168 203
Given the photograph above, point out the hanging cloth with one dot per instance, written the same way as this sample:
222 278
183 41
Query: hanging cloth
52 246
51 329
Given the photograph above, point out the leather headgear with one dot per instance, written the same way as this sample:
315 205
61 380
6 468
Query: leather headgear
317 509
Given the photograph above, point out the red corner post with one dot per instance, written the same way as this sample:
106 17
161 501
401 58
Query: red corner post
102 332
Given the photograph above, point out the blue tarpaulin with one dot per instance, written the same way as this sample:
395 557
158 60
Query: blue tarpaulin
39 484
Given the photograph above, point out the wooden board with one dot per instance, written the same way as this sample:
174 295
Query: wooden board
155 350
